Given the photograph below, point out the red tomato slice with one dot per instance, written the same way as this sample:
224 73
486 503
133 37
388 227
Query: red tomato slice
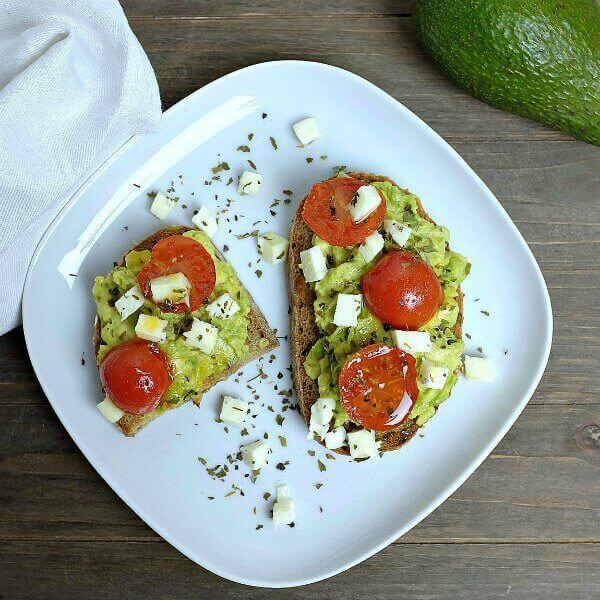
378 386
180 254
326 210
136 375
402 290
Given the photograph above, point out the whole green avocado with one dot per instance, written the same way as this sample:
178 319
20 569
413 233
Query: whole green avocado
537 58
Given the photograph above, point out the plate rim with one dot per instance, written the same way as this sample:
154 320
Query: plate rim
472 465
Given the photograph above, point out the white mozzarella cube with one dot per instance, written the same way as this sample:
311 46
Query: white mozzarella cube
316 430
249 184
172 289
233 411
205 221
433 376
129 302
224 307
322 410
202 335
256 455
479 368
161 206
284 511
272 247
347 309
307 130
362 444
151 328
412 341
313 264
365 202
109 411
397 231
336 438
371 247
282 490
321 413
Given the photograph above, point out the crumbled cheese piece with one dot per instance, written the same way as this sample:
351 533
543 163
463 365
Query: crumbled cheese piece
321 413
335 438
224 307
397 231
433 376
365 202
313 265
129 302
202 336
205 221
273 247
412 341
151 328
307 130
479 368
161 206
256 455
371 247
109 411
362 444
284 511
172 289
347 309
233 411
250 183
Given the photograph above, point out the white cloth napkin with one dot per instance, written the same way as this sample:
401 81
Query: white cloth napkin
75 84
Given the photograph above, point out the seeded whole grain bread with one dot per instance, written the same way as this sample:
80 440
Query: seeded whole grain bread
258 329
304 332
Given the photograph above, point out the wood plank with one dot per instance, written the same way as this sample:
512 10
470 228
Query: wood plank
540 484
198 9
428 571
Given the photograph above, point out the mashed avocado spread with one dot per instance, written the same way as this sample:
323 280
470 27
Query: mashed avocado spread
346 267
191 366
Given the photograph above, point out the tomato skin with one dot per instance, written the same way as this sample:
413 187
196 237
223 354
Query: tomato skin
378 386
180 254
402 290
136 375
326 210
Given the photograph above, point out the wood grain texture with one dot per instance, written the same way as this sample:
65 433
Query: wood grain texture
545 471
525 525
202 9
148 571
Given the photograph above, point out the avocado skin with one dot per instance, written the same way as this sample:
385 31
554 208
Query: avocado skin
536 58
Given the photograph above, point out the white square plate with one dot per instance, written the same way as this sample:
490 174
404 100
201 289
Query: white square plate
360 508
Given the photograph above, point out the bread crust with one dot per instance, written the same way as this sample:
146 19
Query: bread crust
304 332
258 329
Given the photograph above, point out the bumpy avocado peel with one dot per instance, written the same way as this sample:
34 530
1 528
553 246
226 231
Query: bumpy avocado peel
536 58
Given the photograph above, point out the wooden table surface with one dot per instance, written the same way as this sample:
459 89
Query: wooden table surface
525 525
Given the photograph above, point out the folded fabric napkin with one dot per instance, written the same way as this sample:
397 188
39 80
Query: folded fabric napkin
75 84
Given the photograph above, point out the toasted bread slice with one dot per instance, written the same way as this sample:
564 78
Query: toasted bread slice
258 330
304 332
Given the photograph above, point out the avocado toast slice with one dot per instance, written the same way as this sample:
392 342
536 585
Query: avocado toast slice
305 332
260 340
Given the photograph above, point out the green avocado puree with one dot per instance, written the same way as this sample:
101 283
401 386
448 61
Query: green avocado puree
191 366
346 267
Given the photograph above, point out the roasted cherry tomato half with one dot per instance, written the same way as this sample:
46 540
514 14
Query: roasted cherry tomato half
136 375
180 254
402 290
378 386
326 210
